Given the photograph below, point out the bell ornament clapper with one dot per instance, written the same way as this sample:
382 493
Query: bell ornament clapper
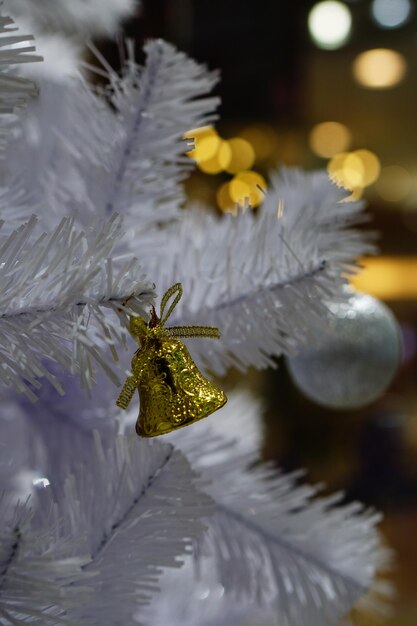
173 392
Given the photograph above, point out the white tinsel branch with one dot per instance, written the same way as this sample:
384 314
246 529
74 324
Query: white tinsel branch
267 538
15 91
127 511
54 290
36 565
81 17
263 280
121 150
271 543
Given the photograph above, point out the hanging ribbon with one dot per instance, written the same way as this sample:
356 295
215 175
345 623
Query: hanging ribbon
157 324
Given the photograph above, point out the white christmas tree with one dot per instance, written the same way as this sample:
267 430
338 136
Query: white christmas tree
119 530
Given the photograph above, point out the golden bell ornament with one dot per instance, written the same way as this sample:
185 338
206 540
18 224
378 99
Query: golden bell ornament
173 392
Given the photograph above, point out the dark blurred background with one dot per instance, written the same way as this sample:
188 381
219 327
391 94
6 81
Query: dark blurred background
331 87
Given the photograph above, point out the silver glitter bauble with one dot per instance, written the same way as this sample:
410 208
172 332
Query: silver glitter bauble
354 362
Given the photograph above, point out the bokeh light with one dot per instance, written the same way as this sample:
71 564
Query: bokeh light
206 142
389 278
248 188
394 184
346 170
379 68
354 170
329 138
391 13
371 166
242 155
225 201
262 139
329 24
218 161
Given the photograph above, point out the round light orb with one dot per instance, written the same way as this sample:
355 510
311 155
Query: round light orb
391 13
203 143
330 24
242 155
354 170
224 200
248 188
262 139
394 184
355 360
380 68
346 170
329 138
218 160
371 166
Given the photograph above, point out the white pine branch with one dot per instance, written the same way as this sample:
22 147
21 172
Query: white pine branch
137 505
83 17
263 280
15 91
94 547
121 150
36 563
306 560
156 107
54 290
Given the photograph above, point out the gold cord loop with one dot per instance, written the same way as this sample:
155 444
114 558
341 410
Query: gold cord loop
175 289
210 332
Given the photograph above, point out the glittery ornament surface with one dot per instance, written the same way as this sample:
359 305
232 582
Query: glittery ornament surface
355 361
172 391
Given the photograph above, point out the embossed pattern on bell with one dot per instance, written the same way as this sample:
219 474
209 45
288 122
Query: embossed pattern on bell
172 391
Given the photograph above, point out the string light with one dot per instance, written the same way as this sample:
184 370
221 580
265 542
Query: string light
394 184
330 24
354 170
224 199
206 142
379 68
248 187
262 139
329 138
391 13
218 161
389 278
242 155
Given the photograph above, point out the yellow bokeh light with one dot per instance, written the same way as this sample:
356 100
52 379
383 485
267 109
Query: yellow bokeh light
248 188
224 154
380 68
218 160
389 278
262 140
224 199
371 166
329 138
346 170
394 184
354 170
240 191
242 155
206 142
211 166
206 148
335 168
